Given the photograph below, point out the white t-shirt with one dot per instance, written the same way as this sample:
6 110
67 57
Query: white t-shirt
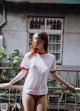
39 67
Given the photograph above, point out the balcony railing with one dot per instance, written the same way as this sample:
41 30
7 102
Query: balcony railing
58 97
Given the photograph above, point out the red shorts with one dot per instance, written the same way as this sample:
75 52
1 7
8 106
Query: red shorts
36 97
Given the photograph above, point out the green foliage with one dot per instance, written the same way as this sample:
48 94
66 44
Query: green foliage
64 95
3 53
52 82
15 59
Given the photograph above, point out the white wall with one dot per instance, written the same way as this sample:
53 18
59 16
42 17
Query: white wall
15 32
71 48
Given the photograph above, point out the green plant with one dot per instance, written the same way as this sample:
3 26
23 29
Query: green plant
53 83
61 93
3 53
64 96
15 59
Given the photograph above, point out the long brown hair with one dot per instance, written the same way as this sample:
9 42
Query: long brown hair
43 36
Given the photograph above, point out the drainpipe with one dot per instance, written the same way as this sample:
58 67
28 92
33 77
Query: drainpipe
1 39
3 13
2 3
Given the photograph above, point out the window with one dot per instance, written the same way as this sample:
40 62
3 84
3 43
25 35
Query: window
54 29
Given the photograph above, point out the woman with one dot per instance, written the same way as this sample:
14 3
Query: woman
37 64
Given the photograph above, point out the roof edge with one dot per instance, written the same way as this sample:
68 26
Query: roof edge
46 2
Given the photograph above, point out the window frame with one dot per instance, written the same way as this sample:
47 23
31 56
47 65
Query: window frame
56 32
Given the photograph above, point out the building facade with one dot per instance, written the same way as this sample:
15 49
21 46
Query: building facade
61 20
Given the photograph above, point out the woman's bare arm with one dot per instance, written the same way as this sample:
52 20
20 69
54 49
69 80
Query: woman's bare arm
58 78
20 75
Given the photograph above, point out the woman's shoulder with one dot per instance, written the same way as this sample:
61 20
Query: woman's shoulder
51 55
27 54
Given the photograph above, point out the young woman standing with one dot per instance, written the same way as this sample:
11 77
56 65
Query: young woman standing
37 64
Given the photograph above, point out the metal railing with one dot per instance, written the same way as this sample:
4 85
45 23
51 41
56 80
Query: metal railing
10 99
60 98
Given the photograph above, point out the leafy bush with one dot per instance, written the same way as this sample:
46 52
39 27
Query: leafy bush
15 59
3 53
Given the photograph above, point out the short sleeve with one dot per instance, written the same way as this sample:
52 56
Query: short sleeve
25 62
53 65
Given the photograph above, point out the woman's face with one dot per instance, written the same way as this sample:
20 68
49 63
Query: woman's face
37 43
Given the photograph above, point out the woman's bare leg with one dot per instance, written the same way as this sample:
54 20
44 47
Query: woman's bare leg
41 104
28 102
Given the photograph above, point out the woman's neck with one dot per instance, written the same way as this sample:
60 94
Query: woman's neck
41 50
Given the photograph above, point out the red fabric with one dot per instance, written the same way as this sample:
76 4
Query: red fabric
24 68
53 71
36 97
41 52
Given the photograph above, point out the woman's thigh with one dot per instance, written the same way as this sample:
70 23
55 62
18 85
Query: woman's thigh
41 104
28 102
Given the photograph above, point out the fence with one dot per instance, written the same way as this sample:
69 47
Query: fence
59 98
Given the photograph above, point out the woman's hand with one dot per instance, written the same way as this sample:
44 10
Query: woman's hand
77 89
72 88
5 85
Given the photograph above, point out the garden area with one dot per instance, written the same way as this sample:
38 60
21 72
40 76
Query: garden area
10 99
